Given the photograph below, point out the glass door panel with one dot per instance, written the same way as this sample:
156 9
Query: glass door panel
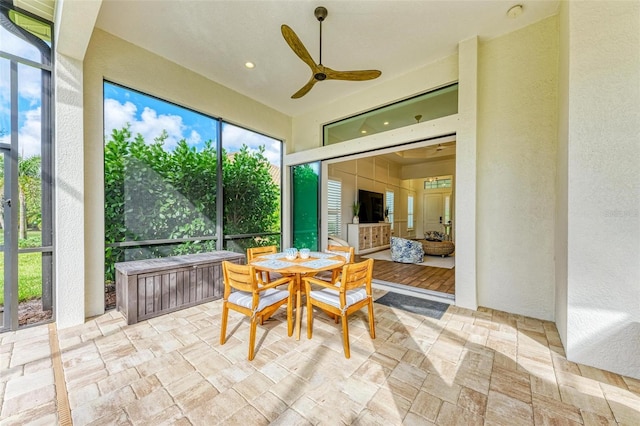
4 292
26 287
305 185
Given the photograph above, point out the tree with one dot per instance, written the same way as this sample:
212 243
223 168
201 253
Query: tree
29 194
29 190
152 193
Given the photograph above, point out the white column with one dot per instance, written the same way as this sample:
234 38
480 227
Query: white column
69 192
465 217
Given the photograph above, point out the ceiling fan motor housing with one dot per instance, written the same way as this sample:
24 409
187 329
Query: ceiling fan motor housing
320 13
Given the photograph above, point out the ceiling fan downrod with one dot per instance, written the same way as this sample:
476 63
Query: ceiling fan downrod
320 14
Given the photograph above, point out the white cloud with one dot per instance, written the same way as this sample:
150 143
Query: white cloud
30 84
29 135
116 115
150 125
233 137
194 138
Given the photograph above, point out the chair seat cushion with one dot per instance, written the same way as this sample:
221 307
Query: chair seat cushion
344 254
267 298
332 297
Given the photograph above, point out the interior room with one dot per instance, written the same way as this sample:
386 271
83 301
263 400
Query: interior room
401 172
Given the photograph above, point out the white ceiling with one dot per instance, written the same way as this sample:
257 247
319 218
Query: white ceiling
216 38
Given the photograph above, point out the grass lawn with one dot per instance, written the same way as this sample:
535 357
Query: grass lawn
29 270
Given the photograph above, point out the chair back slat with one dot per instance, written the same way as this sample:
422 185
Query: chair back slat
254 252
240 277
356 275
346 251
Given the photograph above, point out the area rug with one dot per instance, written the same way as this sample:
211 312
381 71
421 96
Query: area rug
428 308
434 261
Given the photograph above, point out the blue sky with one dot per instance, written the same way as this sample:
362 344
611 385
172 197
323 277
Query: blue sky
28 95
149 116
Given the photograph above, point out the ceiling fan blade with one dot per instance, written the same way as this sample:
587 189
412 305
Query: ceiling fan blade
360 75
298 48
305 89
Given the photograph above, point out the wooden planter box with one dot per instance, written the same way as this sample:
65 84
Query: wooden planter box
153 287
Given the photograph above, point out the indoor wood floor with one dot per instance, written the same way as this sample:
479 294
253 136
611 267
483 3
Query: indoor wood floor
425 277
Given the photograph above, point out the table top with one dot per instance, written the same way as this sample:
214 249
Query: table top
316 262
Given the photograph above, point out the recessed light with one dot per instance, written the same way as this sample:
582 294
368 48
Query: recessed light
386 123
515 11
363 131
249 65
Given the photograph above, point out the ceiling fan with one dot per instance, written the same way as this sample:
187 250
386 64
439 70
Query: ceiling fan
318 71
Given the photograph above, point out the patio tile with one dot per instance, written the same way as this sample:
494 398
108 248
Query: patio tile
149 406
503 409
473 401
105 405
485 367
28 383
27 401
451 414
198 395
45 414
426 406
118 380
269 405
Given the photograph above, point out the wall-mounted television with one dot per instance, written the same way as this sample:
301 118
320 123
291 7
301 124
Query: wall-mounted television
371 206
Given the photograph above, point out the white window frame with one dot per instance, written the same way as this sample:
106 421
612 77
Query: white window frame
410 212
392 207
334 207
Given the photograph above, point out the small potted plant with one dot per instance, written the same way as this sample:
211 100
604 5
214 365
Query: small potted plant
356 211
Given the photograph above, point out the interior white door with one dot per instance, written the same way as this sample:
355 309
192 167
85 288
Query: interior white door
433 212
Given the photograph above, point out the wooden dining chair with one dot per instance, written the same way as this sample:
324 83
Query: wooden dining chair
257 302
346 251
253 252
342 298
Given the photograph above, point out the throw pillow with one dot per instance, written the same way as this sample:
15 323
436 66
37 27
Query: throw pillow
434 236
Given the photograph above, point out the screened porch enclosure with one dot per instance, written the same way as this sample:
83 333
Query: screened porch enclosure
179 182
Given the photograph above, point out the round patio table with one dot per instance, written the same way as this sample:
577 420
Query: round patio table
298 267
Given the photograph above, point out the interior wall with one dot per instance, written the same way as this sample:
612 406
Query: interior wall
372 174
603 295
517 138
562 181
111 58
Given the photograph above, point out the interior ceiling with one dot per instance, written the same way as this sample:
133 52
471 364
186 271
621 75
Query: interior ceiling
216 38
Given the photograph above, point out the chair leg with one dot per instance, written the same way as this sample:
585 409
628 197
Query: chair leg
309 318
290 315
345 336
223 327
252 337
372 325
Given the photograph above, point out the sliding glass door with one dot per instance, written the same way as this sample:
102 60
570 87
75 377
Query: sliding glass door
305 195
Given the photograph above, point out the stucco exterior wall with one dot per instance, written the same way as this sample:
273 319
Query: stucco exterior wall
603 134
69 194
517 138
113 59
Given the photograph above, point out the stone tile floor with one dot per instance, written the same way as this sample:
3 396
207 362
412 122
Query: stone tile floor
470 367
